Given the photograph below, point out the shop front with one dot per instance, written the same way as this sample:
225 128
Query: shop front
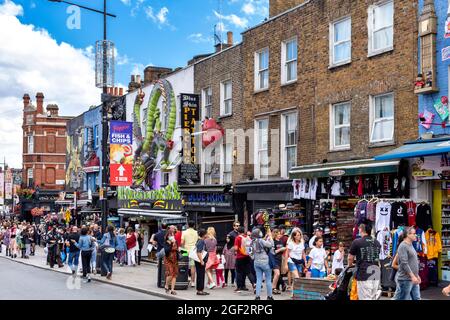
211 206
40 203
430 189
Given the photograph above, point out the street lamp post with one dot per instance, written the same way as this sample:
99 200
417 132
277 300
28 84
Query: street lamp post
104 198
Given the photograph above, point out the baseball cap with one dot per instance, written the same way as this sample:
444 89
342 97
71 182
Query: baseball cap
318 228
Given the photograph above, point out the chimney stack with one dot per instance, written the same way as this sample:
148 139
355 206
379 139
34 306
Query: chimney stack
53 109
40 103
26 100
120 91
230 38
116 91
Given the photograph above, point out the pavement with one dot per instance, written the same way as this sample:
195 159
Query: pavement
143 279
20 281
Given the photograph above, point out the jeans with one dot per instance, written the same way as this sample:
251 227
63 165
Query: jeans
73 259
200 274
243 270
406 290
107 259
27 249
121 256
233 275
260 270
86 262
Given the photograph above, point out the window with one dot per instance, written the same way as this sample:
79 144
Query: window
207 102
226 100
51 143
340 126
381 27
289 61
50 175
96 141
341 42
227 163
165 178
382 118
30 144
262 69
289 143
211 163
30 177
262 149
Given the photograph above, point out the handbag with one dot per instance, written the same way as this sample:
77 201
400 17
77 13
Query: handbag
194 256
110 250
161 253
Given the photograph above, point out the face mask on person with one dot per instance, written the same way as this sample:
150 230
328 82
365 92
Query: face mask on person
171 238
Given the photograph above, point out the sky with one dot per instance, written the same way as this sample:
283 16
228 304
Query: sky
47 47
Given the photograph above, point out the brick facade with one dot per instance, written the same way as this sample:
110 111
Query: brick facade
318 86
48 157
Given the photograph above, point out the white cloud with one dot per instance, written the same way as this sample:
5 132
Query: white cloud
248 8
160 17
256 8
233 19
136 7
32 61
126 2
199 38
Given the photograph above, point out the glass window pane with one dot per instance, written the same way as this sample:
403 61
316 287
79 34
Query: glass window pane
342 114
383 38
342 52
291 50
291 157
342 30
384 106
292 70
342 136
227 86
383 130
263 59
383 15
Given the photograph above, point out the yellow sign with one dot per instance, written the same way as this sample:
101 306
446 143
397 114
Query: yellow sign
423 173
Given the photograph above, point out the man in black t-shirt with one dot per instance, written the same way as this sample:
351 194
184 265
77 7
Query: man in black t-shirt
366 251
74 252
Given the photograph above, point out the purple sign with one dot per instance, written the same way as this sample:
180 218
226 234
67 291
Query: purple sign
446 53
121 132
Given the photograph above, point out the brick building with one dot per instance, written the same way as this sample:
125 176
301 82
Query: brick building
326 82
44 145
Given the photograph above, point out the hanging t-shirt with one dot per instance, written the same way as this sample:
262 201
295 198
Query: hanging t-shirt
399 215
336 189
318 256
371 211
421 243
361 212
395 238
385 239
296 184
383 216
314 186
411 205
307 189
423 217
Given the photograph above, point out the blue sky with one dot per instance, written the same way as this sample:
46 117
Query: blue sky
158 32
39 53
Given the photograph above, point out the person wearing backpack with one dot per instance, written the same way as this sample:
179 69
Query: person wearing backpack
108 245
260 254
243 247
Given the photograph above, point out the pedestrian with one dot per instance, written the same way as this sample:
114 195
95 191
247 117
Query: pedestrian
32 239
277 257
74 251
189 238
220 279
52 247
242 246
213 261
446 291
366 251
13 243
318 232
131 242
158 243
318 260
407 277
338 259
108 245
260 252
85 244
201 263
97 252
229 254
7 240
296 253
178 234
171 261
233 234
139 245
121 247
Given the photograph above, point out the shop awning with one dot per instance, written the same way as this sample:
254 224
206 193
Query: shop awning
158 214
65 202
205 188
345 168
418 149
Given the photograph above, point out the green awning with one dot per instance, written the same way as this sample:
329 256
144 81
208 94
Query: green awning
346 168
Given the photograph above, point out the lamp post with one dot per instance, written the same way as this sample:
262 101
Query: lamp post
103 83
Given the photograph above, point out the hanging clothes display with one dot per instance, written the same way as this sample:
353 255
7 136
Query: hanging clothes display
384 237
411 209
423 217
383 216
399 215
434 244
421 243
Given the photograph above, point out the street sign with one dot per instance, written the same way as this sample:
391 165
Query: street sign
121 175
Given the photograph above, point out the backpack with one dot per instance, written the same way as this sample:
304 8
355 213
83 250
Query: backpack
246 246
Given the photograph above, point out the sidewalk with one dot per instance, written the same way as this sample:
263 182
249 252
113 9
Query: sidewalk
143 278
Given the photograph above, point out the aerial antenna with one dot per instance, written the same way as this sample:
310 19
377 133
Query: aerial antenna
218 28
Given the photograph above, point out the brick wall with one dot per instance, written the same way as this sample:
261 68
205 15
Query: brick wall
278 6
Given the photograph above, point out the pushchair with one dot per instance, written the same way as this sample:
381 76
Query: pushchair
341 293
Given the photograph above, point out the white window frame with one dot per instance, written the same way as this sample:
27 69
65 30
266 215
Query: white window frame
373 121
371 28
284 146
333 44
30 144
285 62
224 100
96 136
226 164
258 150
30 172
259 72
205 103
333 126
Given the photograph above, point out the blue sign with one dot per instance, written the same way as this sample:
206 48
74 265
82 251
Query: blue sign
121 132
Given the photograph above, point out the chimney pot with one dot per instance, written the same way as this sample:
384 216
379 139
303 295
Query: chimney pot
39 103
26 100
230 38
116 91
138 79
120 91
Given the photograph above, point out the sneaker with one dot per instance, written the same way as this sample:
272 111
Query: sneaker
378 296
257 298
192 285
212 286
108 276
244 289
89 278
270 298
224 285
237 290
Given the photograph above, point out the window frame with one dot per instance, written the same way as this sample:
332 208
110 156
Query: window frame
226 172
284 146
30 142
259 71
333 127
258 150
224 100
28 176
96 136
371 28
333 44
205 104
373 120
285 62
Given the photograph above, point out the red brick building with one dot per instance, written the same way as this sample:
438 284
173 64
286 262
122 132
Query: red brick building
44 145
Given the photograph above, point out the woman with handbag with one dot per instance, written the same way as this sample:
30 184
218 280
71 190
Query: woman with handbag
213 261
108 245
261 248
296 253
86 246
171 261
131 241
200 262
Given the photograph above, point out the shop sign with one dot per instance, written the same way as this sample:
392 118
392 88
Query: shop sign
167 198
121 153
423 173
48 198
431 168
445 53
189 172
447 25
336 173
203 199
190 115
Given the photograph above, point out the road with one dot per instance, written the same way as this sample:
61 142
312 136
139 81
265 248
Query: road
18 281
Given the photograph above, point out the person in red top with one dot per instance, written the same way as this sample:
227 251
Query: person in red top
178 233
243 262
131 247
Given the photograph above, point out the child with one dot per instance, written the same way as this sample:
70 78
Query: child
230 260
308 270
318 260
219 271
338 258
